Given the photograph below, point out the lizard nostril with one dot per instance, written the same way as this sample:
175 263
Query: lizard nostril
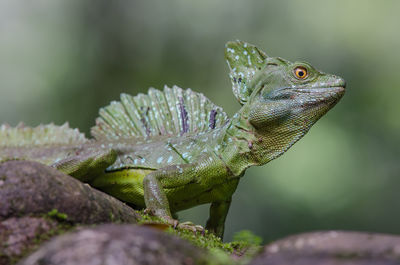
340 82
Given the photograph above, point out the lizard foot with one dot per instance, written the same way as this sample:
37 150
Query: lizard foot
168 219
175 223
192 227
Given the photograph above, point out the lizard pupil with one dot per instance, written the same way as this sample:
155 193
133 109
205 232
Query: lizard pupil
300 72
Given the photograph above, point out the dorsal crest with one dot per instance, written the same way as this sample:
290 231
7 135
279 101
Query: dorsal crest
244 60
173 112
48 134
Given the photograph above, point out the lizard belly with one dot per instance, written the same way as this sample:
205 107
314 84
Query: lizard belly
191 195
127 185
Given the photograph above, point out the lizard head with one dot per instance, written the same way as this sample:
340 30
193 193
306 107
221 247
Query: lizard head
284 90
273 90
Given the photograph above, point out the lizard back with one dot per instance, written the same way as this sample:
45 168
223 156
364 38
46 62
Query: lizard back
172 112
169 127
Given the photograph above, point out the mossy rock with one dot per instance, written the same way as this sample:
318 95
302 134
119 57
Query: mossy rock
122 244
31 188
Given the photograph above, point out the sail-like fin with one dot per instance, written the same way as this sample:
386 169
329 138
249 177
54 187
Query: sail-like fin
48 134
244 61
171 112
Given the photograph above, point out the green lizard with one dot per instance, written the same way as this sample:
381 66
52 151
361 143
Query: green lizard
174 149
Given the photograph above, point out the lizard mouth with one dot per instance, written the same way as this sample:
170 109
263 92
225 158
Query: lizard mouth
328 88
321 93
321 90
317 96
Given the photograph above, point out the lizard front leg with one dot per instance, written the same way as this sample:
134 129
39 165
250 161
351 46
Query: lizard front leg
202 172
169 177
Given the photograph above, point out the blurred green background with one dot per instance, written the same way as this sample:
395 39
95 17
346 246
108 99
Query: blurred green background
63 60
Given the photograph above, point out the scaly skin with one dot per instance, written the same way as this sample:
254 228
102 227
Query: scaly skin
168 173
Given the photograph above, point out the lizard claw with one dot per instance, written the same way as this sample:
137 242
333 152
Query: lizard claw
171 221
148 211
175 223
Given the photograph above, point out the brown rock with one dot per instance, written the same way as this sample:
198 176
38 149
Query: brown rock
332 248
31 188
19 235
119 244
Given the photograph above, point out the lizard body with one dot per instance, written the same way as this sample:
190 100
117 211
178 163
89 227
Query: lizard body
174 149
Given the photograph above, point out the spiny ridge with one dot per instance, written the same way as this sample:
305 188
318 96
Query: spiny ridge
171 112
48 134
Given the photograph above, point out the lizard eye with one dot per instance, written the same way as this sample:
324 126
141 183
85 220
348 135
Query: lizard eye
300 72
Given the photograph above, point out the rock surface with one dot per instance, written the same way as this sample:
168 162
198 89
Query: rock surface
19 235
332 248
119 244
38 202
31 188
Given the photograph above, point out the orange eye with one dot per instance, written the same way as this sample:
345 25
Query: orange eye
300 72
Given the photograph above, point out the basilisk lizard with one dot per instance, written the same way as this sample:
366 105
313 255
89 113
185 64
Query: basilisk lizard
174 149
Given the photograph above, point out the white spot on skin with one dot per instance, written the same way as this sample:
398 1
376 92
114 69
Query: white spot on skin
180 170
248 59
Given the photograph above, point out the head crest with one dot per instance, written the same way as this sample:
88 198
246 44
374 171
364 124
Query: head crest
244 60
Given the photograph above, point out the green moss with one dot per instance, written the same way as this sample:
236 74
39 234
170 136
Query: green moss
57 215
247 237
245 244
10 159
145 218
37 241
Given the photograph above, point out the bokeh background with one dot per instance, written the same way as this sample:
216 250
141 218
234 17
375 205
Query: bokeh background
63 60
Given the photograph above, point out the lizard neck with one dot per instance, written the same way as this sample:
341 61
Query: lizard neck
244 146
238 144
